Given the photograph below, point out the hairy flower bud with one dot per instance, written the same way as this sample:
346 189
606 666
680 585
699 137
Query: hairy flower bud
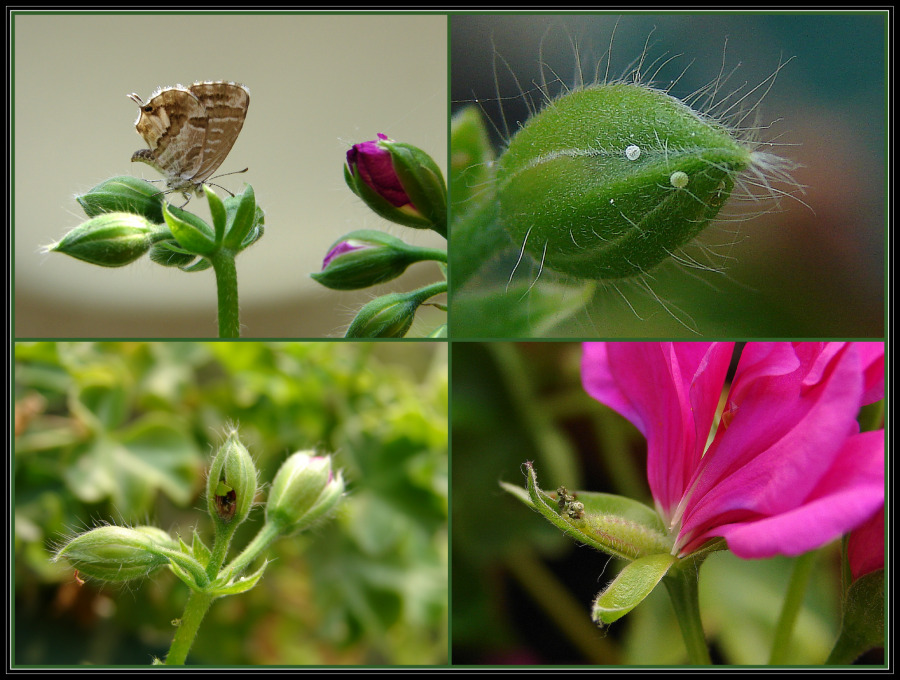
391 316
365 258
116 554
109 240
231 485
304 490
124 194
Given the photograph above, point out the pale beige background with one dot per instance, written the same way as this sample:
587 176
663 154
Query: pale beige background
318 84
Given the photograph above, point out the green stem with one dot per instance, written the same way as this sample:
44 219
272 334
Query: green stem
226 287
791 607
682 584
194 611
436 254
224 532
430 291
260 542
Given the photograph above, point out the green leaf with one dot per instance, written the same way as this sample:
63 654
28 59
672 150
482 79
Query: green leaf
862 627
520 311
635 582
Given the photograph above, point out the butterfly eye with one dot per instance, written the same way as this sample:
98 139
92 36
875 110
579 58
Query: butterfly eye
148 109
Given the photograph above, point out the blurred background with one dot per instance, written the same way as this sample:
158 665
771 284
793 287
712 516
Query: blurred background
318 85
123 432
522 590
808 267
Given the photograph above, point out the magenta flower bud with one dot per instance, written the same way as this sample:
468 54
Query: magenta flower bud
373 165
398 181
365 258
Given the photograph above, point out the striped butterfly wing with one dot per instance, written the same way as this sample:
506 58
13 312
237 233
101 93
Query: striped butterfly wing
225 105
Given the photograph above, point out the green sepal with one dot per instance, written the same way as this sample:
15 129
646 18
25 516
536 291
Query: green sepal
217 211
616 525
422 180
169 254
185 576
470 169
242 585
439 332
635 582
200 551
192 233
245 218
200 265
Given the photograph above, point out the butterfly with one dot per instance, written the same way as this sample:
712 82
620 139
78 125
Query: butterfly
190 130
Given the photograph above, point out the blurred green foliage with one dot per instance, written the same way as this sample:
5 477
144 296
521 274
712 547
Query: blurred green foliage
522 590
122 432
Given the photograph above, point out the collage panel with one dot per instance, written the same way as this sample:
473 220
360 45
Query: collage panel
322 144
672 175
658 504
231 504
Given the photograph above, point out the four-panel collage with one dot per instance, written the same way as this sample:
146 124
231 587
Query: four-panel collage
572 360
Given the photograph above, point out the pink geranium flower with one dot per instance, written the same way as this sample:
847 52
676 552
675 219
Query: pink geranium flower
785 470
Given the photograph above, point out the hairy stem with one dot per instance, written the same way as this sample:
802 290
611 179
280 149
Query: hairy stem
194 611
682 585
226 286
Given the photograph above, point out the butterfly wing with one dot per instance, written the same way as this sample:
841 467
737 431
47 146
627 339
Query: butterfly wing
173 123
225 105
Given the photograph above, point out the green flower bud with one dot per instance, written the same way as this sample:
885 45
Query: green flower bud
124 194
231 484
609 181
117 554
391 316
365 258
110 240
304 490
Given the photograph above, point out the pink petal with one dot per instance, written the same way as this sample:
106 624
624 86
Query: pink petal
872 358
670 392
793 407
844 498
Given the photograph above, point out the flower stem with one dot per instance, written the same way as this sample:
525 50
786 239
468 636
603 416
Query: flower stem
226 287
791 607
194 611
220 548
682 584
260 542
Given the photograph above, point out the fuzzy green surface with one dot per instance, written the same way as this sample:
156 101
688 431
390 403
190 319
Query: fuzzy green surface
568 191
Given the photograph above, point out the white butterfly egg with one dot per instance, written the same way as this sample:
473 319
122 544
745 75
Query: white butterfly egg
679 179
633 152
